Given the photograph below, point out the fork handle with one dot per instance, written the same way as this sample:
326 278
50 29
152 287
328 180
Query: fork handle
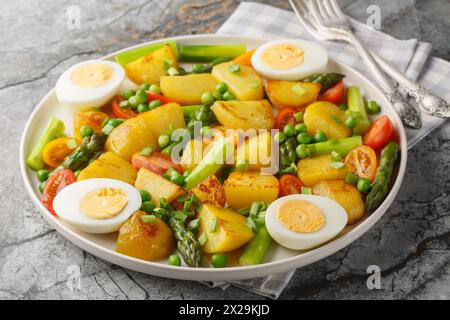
409 115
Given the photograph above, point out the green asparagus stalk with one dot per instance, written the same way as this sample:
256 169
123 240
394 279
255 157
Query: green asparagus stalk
341 146
327 80
90 148
187 243
356 104
256 249
134 54
189 111
380 185
207 53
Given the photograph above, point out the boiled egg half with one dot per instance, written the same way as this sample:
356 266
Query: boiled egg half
303 222
89 84
97 205
289 59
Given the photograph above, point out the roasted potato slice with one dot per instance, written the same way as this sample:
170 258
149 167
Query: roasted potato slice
188 90
282 94
314 170
160 119
210 191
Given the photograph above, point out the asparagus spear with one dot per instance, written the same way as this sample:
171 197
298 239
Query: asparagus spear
381 183
91 148
327 80
341 146
356 105
207 53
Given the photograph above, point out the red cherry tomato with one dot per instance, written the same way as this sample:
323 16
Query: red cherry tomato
118 112
157 162
334 94
379 134
285 117
154 96
57 181
290 184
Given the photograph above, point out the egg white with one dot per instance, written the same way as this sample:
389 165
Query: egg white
335 222
315 61
67 205
80 98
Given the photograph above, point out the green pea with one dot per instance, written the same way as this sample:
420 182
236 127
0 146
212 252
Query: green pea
242 165
124 104
320 136
351 178
198 68
373 107
145 86
289 130
115 122
280 138
141 96
219 260
174 260
177 178
299 116
207 98
148 207
163 141
364 185
142 107
217 96
299 128
154 104
42 186
42 175
132 101
228 96
154 89
304 138
351 122
222 88
343 107
302 151
145 195
86 131
129 93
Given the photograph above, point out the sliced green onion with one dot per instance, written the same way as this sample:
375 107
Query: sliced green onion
173 71
337 165
146 151
336 157
151 219
193 225
255 84
214 225
107 129
234 68
72 144
306 190
299 90
202 239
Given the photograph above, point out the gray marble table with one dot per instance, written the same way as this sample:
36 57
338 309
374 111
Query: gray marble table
411 243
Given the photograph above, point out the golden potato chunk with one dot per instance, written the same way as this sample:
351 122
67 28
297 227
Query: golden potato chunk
210 191
188 90
344 194
282 94
225 230
160 120
326 117
244 188
145 241
94 119
314 170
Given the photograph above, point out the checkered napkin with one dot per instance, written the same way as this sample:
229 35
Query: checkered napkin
411 57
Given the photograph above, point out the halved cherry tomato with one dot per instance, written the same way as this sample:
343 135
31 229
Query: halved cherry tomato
362 161
57 150
118 112
379 134
157 162
160 97
334 94
57 181
290 184
285 117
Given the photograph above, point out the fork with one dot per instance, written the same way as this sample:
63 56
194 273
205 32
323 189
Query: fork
326 21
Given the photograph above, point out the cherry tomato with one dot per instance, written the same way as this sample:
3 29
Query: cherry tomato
157 162
55 183
362 161
56 151
154 96
122 113
285 117
379 134
290 184
334 94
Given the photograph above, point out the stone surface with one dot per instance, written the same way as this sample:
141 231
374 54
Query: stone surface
410 244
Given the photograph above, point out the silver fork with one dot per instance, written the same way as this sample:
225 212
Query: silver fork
325 20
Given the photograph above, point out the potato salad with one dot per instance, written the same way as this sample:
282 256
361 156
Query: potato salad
206 156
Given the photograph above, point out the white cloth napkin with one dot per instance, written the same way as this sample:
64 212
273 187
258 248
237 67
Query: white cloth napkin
410 57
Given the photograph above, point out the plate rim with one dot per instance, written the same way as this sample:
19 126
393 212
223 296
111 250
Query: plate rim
211 274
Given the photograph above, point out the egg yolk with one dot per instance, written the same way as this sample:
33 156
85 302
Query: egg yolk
92 75
283 56
300 216
103 203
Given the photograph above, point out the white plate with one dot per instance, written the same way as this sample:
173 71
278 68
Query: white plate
278 259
